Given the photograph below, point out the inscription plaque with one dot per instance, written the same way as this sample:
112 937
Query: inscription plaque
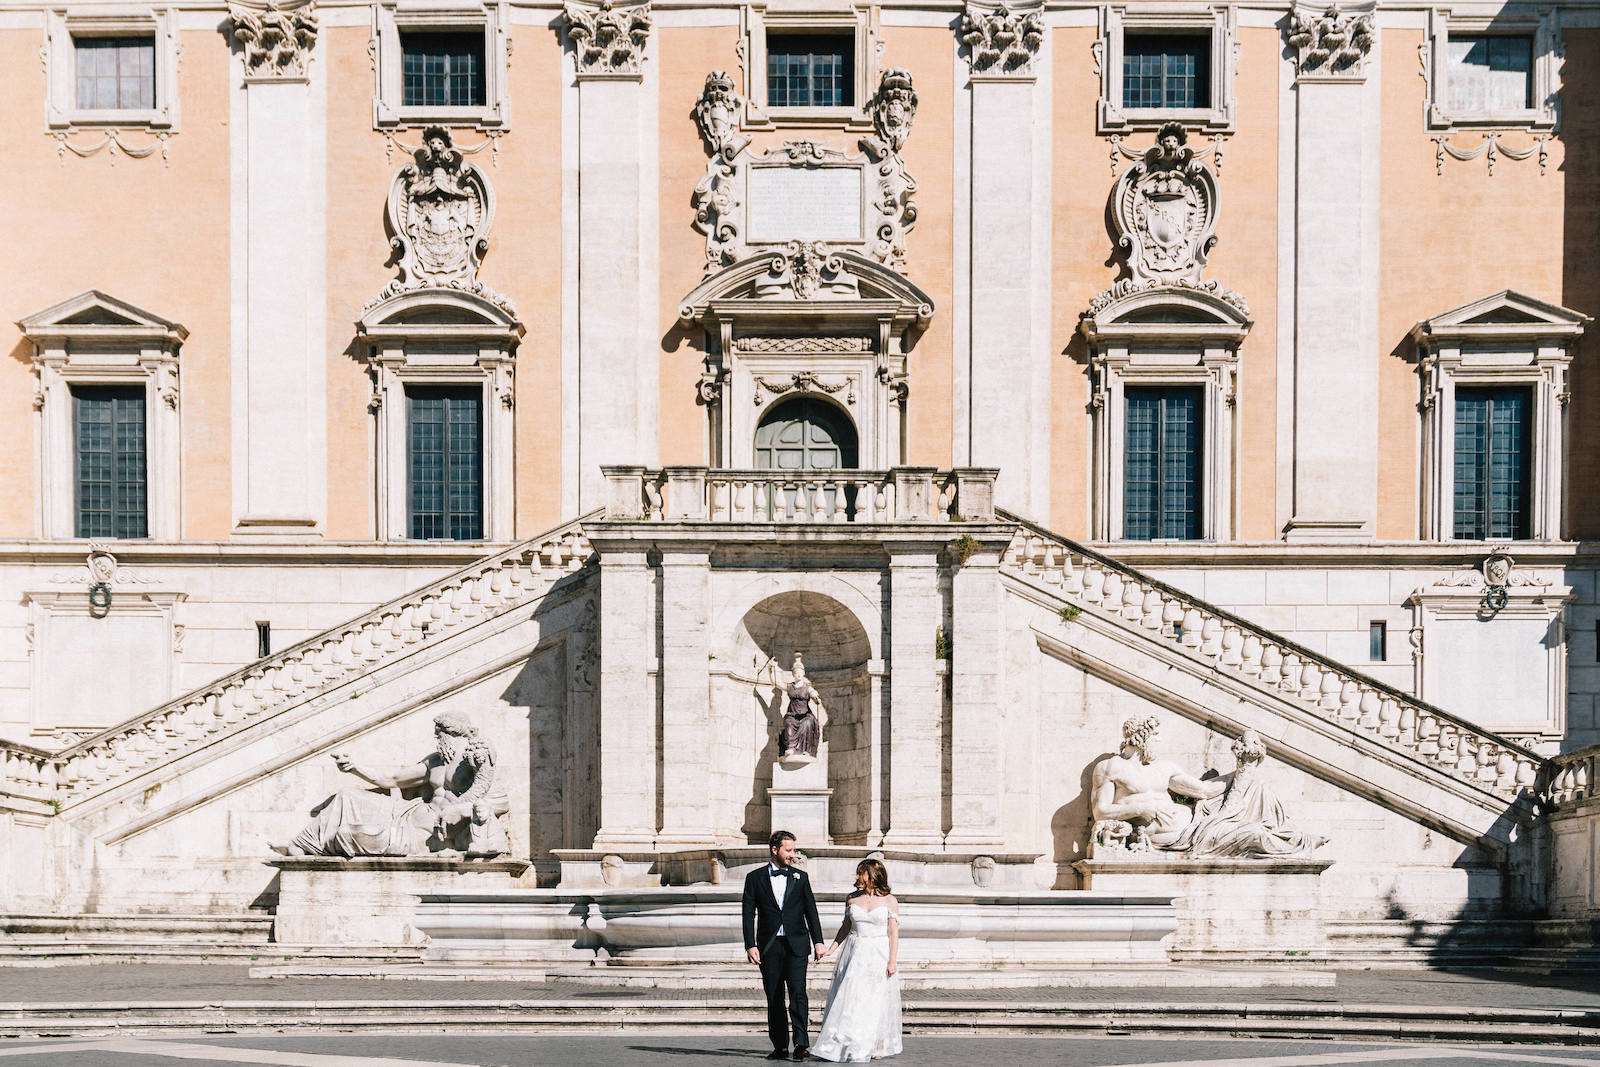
805 204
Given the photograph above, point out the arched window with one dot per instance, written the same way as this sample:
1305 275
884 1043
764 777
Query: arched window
805 433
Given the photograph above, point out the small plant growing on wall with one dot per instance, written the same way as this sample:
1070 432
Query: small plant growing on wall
963 547
941 644
1070 612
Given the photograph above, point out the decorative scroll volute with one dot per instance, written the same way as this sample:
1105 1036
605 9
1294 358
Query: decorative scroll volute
277 38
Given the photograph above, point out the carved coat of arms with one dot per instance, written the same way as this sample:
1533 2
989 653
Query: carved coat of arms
440 208
1165 208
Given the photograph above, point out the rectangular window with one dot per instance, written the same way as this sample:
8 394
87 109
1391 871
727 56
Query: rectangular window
108 425
1490 74
1378 641
446 462
810 70
1492 463
263 639
442 70
1161 476
116 73
1166 70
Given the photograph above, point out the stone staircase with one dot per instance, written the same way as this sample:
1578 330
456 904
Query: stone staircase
1367 721
44 783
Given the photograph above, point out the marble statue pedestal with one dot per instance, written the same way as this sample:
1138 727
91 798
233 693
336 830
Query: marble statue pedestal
372 900
1227 908
799 797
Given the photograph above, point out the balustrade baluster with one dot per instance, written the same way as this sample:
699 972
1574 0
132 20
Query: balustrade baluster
1291 674
1271 665
1349 701
1250 655
1232 643
1093 582
1150 612
1388 718
1133 601
1211 637
1193 625
1071 577
1368 707
1111 591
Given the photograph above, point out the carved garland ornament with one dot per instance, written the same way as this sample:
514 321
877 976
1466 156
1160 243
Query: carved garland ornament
804 382
277 38
1002 38
440 209
1333 43
609 38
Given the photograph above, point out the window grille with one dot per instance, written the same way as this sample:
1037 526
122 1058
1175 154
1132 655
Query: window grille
810 70
116 73
108 424
442 70
1161 479
1491 464
1490 73
1166 71
445 447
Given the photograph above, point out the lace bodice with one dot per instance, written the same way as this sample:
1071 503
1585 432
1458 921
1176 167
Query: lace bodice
869 922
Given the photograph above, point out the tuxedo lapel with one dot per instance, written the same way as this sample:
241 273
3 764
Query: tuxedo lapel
766 887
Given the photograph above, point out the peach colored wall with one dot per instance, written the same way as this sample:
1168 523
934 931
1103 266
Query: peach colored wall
150 233
1448 239
523 263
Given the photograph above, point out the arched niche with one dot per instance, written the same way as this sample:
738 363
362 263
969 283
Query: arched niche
441 336
1154 335
749 709
806 319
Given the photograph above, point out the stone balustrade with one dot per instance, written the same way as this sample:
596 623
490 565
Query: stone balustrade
27 775
1569 777
1087 580
819 497
482 589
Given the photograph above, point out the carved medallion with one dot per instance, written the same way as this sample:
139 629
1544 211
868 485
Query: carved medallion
1165 209
440 209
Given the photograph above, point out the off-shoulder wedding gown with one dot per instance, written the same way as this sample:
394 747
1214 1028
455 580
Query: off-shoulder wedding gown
862 1019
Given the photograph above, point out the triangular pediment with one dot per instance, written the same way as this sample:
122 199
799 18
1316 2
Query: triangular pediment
92 308
1506 308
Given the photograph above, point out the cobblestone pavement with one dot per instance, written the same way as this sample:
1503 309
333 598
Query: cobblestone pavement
490 1050
215 982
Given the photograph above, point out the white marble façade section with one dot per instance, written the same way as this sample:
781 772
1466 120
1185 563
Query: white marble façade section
1330 610
172 625
278 154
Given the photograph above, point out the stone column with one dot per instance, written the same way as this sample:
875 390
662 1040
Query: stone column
685 697
975 785
616 371
279 372
1336 346
916 694
627 702
1006 421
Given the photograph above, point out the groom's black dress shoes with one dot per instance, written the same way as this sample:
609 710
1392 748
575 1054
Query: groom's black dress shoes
800 1054
778 1054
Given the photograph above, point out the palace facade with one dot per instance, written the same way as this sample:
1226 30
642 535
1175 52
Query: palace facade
1025 367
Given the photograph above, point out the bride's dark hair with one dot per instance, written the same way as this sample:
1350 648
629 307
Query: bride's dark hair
877 877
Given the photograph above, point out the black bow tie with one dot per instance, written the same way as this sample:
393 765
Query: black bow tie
783 872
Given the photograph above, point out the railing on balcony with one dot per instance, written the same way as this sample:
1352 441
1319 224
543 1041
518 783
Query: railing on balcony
813 497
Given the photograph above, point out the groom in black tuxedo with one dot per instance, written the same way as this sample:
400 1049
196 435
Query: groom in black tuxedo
781 930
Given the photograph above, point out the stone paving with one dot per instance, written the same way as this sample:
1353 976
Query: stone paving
231 982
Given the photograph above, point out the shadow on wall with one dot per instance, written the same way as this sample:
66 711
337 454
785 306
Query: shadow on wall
1580 268
1069 828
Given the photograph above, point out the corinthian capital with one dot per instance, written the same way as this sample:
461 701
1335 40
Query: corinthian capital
608 38
1002 38
277 38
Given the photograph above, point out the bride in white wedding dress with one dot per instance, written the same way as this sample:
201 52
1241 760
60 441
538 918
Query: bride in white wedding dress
862 1019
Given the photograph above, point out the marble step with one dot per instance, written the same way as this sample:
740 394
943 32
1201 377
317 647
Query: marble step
732 1016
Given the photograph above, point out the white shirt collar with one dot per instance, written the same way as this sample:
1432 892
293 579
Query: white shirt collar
773 870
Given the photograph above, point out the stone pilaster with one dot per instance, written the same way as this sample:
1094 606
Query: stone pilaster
975 760
627 702
1336 345
916 695
1006 421
686 698
616 260
279 355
